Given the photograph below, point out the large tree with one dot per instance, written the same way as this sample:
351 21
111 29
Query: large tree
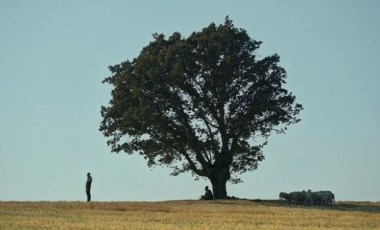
204 104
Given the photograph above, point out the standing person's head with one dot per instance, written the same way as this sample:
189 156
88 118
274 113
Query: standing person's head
206 188
88 174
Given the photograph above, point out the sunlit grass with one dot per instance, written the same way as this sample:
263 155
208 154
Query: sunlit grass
224 214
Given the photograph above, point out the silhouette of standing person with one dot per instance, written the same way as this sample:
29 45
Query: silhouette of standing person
88 187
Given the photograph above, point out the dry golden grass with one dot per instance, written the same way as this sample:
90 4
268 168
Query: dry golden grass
221 214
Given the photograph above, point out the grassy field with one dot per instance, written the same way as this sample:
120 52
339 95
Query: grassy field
221 214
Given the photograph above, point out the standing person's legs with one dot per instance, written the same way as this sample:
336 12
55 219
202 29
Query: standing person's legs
88 194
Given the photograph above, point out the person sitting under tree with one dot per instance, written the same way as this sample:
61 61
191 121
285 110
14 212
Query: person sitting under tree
208 194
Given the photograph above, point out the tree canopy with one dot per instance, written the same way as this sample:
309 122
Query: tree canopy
204 104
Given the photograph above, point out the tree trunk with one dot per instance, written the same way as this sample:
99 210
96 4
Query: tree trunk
219 189
219 181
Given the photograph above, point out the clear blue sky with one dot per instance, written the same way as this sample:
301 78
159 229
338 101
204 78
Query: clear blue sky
54 55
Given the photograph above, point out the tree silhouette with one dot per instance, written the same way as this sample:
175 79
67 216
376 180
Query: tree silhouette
204 104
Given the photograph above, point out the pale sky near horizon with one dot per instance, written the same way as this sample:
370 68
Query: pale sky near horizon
54 55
